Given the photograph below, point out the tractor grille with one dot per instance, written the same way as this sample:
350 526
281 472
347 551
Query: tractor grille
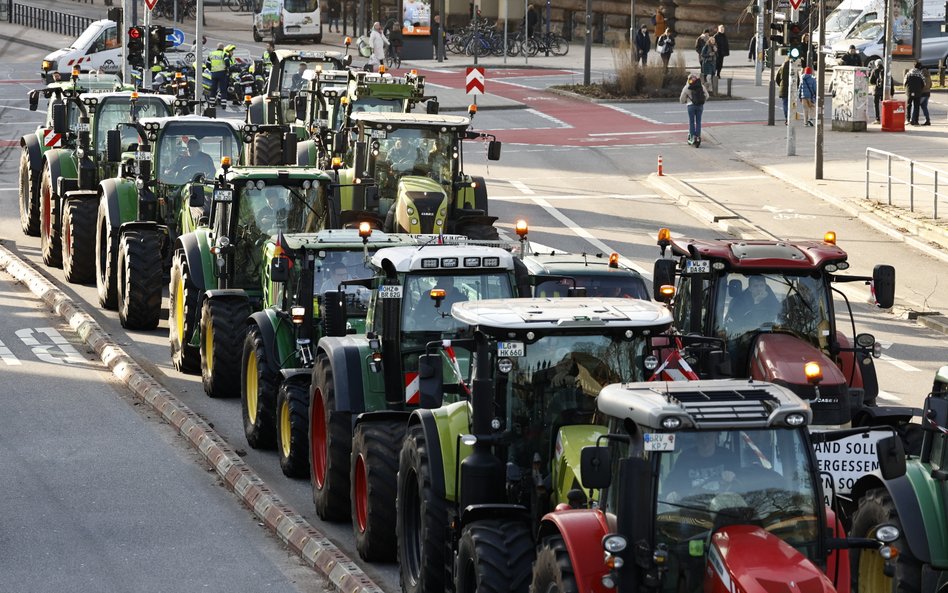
710 408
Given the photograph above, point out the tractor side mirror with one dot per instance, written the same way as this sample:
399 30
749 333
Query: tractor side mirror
663 274
59 119
290 143
432 107
883 281
34 100
340 142
279 270
196 200
596 467
371 194
891 456
113 146
493 150
430 381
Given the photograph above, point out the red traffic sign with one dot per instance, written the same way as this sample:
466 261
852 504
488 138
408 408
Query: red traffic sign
474 83
795 4
149 4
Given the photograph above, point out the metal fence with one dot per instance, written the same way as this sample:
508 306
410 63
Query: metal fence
70 25
908 183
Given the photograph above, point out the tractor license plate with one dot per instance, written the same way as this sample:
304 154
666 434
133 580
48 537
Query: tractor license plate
321 123
509 349
697 266
390 292
82 127
379 134
248 90
655 441
223 195
143 156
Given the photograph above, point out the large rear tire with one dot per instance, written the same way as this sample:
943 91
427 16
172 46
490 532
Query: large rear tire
494 556
29 196
293 429
183 301
421 519
553 570
267 149
139 279
106 259
50 238
374 479
258 391
79 240
875 509
223 327
330 443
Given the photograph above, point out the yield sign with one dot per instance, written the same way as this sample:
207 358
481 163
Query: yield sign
795 4
474 83
150 3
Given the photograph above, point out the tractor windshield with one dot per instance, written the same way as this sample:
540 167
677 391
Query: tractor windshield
556 383
187 148
712 479
598 285
269 209
337 267
413 151
746 304
115 110
423 314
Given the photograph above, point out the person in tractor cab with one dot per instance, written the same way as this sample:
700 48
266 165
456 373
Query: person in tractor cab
701 467
755 306
451 294
275 210
338 274
402 155
194 161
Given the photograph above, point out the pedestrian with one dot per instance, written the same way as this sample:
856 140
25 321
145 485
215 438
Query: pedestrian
851 57
378 43
877 80
724 50
642 45
334 11
694 94
666 45
914 83
783 83
701 41
435 36
218 63
925 95
709 61
808 95
752 49
532 18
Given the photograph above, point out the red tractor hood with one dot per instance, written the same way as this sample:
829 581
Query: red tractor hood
747 559
779 358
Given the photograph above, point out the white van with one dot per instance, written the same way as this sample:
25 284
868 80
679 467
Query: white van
283 20
848 16
868 41
99 46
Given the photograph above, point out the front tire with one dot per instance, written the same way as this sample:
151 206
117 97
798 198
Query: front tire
79 240
494 556
374 479
292 429
330 443
223 327
183 300
50 238
553 570
29 196
258 391
139 279
876 508
106 247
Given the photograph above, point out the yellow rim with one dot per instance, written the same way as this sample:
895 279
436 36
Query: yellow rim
209 349
285 428
252 389
871 577
179 310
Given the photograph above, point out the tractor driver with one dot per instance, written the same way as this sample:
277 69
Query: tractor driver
703 468
402 155
756 306
193 162
338 274
269 216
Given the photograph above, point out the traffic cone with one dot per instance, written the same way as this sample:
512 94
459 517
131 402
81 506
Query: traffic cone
660 172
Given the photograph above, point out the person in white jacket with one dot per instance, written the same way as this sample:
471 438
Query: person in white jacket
378 42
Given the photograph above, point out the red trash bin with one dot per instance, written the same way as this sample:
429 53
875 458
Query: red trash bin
893 116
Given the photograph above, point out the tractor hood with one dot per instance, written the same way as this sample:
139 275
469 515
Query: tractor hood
780 358
748 559
421 206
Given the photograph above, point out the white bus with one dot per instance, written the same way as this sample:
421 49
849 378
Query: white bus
283 20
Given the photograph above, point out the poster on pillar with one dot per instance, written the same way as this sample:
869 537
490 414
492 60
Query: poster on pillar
906 25
416 17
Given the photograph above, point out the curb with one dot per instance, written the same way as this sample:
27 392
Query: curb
300 536
28 43
702 207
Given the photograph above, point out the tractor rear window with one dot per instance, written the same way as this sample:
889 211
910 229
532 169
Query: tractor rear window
186 149
613 285
116 110
421 313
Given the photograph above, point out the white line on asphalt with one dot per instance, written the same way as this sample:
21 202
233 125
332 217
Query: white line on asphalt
521 187
9 189
41 351
17 108
712 110
899 364
440 86
8 357
631 113
736 178
516 84
653 133
558 122
888 396
576 197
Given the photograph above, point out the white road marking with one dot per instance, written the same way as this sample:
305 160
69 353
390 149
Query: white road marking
652 133
560 123
714 111
888 396
575 197
736 178
41 350
631 114
8 357
899 364
521 186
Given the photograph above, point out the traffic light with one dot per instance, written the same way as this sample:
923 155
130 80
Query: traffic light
794 34
136 46
158 43
777 32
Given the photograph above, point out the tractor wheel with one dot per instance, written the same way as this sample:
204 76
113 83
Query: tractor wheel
29 197
330 443
139 272
292 429
183 301
876 508
553 571
480 232
421 516
258 391
374 477
223 327
79 240
106 248
494 556
50 238
267 149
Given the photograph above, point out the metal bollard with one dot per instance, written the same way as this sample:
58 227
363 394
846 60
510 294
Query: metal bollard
729 81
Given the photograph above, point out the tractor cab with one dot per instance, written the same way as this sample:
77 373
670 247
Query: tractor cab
772 305
277 105
558 274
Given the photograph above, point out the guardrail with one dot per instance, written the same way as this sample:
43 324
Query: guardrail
62 23
921 178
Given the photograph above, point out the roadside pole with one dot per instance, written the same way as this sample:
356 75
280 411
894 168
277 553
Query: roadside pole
198 55
887 51
820 94
791 96
759 46
146 67
587 58
632 29
444 23
129 22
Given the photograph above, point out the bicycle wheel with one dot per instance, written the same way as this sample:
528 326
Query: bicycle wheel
560 45
234 5
531 47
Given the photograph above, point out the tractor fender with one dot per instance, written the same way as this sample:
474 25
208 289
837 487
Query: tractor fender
277 337
255 112
60 164
297 376
480 512
570 441
429 426
145 225
346 360
446 424
220 293
382 416
121 201
480 194
474 219
306 153
911 503
34 151
197 255
582 531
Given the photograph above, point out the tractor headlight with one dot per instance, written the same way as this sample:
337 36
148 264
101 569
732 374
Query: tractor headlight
887 533
614 543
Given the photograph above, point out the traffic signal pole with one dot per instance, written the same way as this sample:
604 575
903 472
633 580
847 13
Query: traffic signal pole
759 46
146 67
199 57
129 22
820 95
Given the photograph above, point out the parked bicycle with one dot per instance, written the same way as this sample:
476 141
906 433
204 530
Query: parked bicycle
240 5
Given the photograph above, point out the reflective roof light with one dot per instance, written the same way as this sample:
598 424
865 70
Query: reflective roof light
664 236
490 262
429 263
472 262
829 237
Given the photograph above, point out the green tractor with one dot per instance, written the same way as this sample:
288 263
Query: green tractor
35 144
560 274
219 272
364 386
69 195
140 210
476 476
417 162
